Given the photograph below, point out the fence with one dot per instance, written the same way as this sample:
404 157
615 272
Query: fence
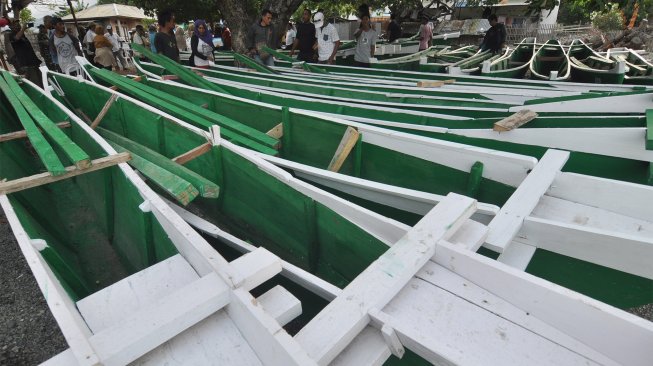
543 32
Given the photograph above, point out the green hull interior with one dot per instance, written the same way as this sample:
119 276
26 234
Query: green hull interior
312 141
95 231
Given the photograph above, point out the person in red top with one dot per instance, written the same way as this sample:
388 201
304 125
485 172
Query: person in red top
226 37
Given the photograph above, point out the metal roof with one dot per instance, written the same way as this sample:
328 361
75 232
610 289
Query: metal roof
109 11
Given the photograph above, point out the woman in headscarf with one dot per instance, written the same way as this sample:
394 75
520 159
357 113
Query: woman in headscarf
103 49
201 45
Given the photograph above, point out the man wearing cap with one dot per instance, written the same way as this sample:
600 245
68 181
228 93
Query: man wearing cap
328 41
65 46
115 47
305 39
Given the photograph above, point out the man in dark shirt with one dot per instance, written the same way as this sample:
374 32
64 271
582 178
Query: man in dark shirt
262 34
164 40
394 29
495 37
305 39
26 62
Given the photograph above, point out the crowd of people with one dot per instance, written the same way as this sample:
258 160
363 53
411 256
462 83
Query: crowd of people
314 39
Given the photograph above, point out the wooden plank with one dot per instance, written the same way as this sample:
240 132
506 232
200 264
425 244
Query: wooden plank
206 188
71 171
518 255
104 111
649 129
23 134
515 121
78 156
145 330
580 317
506 224
307 280
430 83
623 252
471 235
282 305
180 189
255 267
193 153
344 318
276 131
368 348
347 143
38 141
140 291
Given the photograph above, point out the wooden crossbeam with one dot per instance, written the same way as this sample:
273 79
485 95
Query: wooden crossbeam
169 77
430 84
276 131
192 154
346 145
23 134
71 171
515 121
104 111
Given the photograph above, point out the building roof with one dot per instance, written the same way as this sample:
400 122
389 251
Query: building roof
109 11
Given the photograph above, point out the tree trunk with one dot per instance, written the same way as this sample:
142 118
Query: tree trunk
240 17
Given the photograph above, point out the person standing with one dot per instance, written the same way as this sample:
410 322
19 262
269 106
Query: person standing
394 29
165 41
180 38
290 36
305 39
262 34
44 47
425 34
115 47
201 45
151 34
89 43
103 49
65 46
25 60
226 37
495 37
328 40
365 38
140 38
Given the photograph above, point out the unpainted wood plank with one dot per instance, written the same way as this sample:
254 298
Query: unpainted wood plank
342 320
430 83
71 171
515 121
104 111
276 131
23 134
192 154
347 143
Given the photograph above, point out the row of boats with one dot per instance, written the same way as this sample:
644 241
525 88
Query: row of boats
282 216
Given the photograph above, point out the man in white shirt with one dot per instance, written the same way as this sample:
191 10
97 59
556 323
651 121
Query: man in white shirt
290 36
328 41
115 47
89 46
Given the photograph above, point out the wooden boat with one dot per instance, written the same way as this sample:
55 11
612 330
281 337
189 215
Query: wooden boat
550 62
471 66
587 66
409 62
514 64
440 62
126 279
638 70
450 221
593 145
